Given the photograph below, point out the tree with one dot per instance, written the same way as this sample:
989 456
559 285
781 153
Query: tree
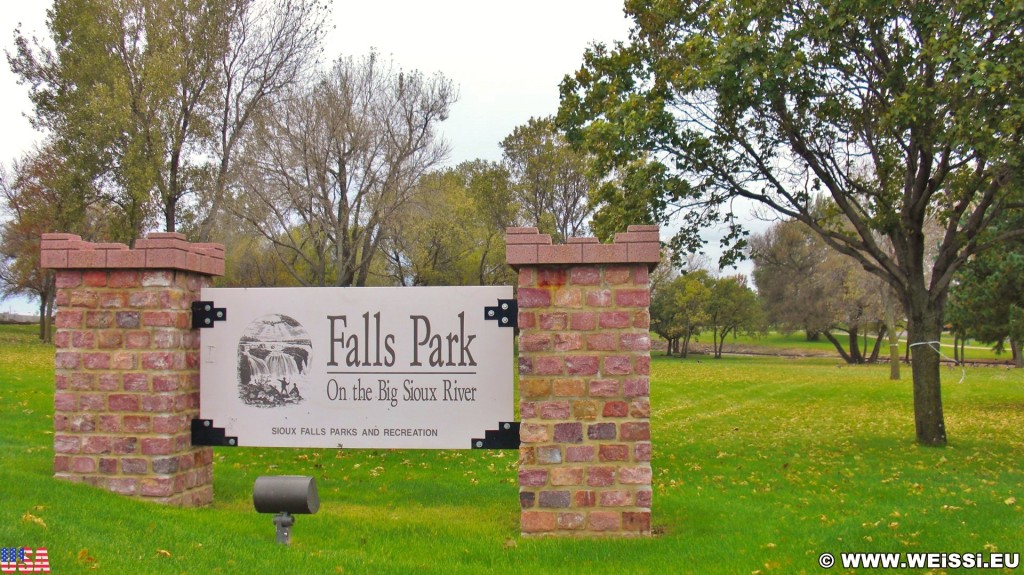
732 307
897 111
490 187
662 311
892 314
853 305
805 284
134 93
271 46
248 259
20 274
33 199
987 301
552 181
787 263
136 75
679 310
434 235
328 170
451 231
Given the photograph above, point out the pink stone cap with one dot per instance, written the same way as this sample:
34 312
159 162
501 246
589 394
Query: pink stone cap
527 246
158 250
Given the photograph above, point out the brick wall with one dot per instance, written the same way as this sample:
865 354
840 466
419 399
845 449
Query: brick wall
584 365
127 365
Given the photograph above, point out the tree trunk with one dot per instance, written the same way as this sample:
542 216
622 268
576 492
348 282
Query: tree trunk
170 215
839 347
889 309
686 346
894 355
924 333
878 344
42 317
1015 347
48 316
855 355
46 300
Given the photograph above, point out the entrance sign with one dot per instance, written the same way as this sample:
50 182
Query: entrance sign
357 367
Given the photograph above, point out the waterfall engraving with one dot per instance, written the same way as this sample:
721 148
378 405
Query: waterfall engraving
274 353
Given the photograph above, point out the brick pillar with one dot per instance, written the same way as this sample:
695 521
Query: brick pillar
127 365
584 365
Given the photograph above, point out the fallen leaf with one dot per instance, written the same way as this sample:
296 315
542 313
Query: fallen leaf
28 517
1010 500
84 557
163 552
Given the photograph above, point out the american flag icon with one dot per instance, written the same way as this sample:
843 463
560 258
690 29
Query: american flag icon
22 560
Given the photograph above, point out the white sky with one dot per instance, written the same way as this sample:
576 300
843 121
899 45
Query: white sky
507 58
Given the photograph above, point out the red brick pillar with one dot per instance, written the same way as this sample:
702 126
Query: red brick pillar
584 365
127 365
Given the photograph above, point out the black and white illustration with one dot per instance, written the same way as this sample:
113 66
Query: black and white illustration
274 354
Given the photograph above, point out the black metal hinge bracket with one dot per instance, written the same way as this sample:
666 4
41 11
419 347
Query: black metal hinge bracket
204 314
506 313
505 437
204 433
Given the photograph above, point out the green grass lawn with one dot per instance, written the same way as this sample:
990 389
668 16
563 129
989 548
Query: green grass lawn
760 465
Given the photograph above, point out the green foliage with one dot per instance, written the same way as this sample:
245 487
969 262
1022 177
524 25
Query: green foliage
679 309
732 307
694 302
125 90
759 465
806 285
987 303
36 200
788 258
443 234
987 300
782 101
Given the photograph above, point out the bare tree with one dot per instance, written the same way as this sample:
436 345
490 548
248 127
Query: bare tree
329 167
551 180
272 44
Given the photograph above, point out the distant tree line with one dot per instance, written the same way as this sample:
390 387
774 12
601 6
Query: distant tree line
683 307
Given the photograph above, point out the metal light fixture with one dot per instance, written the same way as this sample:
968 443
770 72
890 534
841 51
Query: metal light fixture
285 495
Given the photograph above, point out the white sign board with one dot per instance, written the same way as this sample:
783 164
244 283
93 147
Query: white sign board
356 367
